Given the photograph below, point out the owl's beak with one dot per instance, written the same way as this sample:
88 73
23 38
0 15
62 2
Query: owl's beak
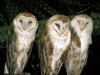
24 27
62 30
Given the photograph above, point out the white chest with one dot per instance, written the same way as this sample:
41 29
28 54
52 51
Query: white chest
59 43
59 47
23 43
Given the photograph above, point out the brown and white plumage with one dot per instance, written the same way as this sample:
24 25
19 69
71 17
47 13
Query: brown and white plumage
21 36
82 27
53 43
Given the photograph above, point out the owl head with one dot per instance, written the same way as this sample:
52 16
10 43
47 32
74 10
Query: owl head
82 21
25 22
58 25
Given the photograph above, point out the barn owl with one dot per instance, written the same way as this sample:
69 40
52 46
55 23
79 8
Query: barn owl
21 36
82 27
53 44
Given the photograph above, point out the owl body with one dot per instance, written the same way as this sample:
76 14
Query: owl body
23 42
59 47
20 42
82 26
54 44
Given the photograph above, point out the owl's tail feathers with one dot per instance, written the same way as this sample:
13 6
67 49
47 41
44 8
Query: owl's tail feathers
6 69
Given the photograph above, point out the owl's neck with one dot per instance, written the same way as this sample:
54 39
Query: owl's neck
27 35
61 43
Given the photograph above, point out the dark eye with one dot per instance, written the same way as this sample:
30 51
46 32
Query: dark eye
87 23
29 22
78 21
57 25
21 21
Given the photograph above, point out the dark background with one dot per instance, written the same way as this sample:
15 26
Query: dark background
44 9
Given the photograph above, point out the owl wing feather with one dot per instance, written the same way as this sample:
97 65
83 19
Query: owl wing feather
44 48
41 48
76 60
10 48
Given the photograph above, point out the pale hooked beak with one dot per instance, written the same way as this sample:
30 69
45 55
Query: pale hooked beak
24 27
62 31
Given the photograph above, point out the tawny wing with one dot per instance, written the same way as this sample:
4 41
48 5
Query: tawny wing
10 47
76 60
43 45
41 33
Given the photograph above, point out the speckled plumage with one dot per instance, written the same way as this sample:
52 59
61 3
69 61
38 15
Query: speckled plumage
82 27
53 43
21 37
